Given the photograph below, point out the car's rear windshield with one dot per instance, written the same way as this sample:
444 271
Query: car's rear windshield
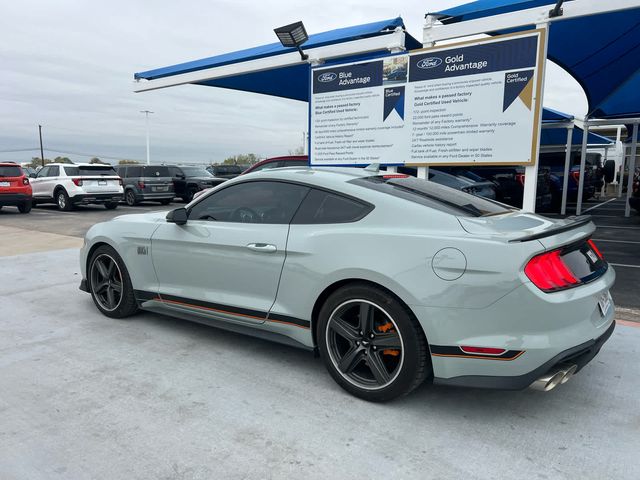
91 170
432 195
10 171
195 172
151 171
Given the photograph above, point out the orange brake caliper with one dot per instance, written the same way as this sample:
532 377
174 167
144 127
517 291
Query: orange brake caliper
385 328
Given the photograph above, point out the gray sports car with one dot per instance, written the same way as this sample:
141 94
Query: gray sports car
392 279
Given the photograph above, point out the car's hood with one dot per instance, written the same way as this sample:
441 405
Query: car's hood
151 217
202 179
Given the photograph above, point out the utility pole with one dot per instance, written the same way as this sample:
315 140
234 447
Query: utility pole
41 149
146 113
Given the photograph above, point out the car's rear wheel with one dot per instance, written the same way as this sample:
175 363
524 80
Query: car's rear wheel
130 198
110 284
165 202
25 207
111 205
371 343
63 201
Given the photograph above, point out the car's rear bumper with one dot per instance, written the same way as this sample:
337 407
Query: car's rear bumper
13 199
156 196
579 355
87 198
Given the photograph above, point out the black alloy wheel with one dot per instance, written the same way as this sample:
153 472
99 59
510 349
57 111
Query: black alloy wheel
130 198
110 285
371 344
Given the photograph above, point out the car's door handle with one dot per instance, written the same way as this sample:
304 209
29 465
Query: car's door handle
262 247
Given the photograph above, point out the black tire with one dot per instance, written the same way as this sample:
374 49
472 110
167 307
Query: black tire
104 282
609 170
165 202
111 205
24 207
380 363
191 191
63 201
130 198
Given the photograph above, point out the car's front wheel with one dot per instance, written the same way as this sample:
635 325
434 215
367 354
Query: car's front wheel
371 343
110 284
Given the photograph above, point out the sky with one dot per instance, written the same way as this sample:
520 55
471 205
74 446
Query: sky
68 65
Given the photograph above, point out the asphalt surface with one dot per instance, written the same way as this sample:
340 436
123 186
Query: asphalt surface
88 397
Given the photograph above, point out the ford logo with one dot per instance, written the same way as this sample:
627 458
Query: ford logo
430 62
327 77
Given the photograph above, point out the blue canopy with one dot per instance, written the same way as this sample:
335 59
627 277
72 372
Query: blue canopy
288 82
558 136
549 115
600 51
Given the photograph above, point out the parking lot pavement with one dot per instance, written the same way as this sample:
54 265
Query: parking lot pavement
47 218
85 396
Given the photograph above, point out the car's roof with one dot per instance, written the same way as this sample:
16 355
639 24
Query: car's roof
322 176
10 164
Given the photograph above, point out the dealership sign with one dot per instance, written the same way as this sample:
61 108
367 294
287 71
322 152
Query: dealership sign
470 103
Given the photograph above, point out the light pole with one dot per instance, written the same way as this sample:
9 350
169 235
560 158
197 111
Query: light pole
146 113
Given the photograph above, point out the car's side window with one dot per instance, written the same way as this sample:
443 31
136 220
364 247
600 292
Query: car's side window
175 172
44 171
134 171
54 171
325 207
251 202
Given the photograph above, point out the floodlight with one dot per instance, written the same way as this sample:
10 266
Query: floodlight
293 35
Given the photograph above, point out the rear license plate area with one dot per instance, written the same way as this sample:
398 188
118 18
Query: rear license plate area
604 303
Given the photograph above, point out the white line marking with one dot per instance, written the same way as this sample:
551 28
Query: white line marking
614 241
598 205
616 226
623 265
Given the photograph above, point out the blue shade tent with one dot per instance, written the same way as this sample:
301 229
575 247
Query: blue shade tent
549 115
601 52
558 136
289 81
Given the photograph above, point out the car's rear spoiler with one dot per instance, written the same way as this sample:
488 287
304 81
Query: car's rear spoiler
573 222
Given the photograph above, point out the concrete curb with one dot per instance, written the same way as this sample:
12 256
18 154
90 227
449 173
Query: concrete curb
16 241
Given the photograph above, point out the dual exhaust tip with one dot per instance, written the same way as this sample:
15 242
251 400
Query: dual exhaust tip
554 378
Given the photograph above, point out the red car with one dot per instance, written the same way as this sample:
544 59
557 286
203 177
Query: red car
277 162
15 189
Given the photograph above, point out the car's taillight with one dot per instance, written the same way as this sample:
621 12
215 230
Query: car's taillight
520 178
549 273
141 184
576 176
595 249
77 182
120 182
25 181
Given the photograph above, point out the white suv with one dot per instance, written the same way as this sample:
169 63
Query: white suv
69 185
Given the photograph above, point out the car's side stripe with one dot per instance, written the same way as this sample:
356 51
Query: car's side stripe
453 351
142 296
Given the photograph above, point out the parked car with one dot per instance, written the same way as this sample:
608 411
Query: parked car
509 184
189 180
15 189
225 171
146 182
458 179
634 200
69 185
28 171
278 162
391 278
594 174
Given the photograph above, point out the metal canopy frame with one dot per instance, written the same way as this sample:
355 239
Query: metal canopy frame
393 42
540 17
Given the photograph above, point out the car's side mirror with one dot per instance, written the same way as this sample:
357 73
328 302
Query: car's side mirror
178 216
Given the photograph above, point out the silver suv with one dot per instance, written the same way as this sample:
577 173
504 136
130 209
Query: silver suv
69 185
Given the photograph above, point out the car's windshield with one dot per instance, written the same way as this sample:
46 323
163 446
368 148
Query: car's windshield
195 172
9 171
433 195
